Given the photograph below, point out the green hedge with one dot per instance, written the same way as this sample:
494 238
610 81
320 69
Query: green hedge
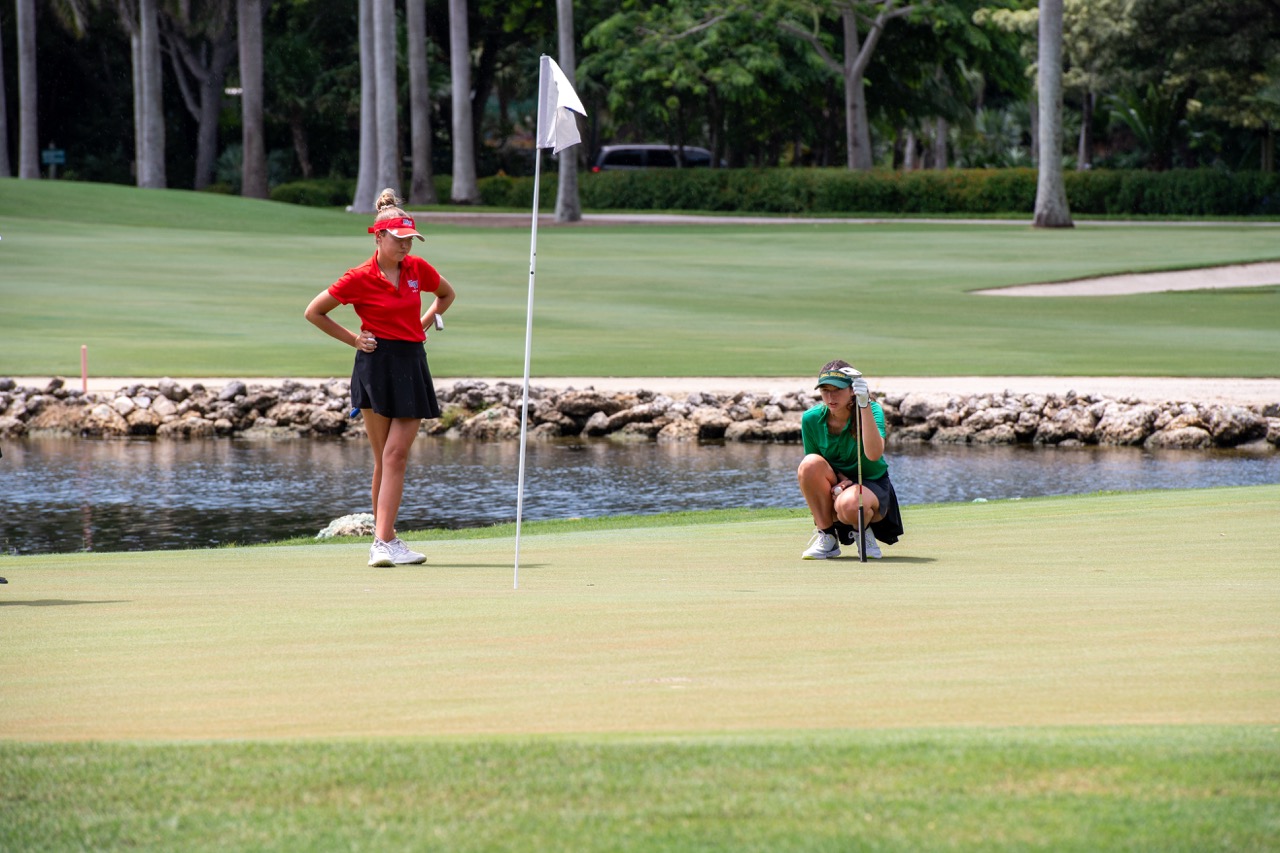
1185 192
316 192
1200 192
336 192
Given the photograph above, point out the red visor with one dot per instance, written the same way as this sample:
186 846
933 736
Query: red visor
393 224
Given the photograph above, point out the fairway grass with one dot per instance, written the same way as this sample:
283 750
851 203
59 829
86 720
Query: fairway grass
184 284
1096 672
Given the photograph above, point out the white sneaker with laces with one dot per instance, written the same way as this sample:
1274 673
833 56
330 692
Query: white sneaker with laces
401 555
380 554
871 546
822 546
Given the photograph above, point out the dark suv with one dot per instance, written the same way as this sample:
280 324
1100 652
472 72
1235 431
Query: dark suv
650 157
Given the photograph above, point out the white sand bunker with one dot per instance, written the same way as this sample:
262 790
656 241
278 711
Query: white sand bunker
1237 275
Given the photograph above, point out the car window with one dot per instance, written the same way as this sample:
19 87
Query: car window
663 158
624 157
696 158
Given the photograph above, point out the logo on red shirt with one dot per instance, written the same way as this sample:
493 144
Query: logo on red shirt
413 285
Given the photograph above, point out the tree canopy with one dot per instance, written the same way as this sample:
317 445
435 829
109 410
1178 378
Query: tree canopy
764 83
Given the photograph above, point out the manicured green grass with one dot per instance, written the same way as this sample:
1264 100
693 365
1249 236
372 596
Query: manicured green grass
1007 613
1078 673
1078 789
186 284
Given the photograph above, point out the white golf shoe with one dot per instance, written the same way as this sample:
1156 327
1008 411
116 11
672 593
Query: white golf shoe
823 546
401 555
380 554
871 545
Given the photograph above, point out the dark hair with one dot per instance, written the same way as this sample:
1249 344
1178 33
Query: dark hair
834 365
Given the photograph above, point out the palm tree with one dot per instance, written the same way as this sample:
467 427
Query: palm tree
28 139
422 188
253 180
568 205
385 102
1051 209
367 173
465 189
5 170
151 170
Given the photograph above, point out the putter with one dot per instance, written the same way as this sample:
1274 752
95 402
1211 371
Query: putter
857 428
862 542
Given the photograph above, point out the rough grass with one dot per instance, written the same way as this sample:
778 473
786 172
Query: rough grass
1077 789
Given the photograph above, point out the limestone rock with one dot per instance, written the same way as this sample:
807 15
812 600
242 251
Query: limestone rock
356 524
1180 438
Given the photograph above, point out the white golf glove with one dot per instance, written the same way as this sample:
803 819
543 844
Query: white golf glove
861 393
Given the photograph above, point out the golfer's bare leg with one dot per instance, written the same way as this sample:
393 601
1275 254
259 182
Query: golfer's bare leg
395 459
846 507
816 479
376 427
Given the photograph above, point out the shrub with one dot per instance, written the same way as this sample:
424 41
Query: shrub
316 192
1198 192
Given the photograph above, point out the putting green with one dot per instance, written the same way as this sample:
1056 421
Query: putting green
1152 608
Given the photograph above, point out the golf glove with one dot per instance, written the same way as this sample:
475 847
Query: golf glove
861 393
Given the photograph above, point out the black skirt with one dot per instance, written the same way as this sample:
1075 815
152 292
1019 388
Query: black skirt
394 381
889 528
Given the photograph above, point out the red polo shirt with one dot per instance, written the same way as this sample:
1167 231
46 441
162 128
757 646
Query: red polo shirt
393 313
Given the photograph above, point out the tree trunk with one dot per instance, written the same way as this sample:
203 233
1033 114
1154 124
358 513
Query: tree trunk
857 130
5 169
151 172
422 188
465 189
135 70
253 181
28 136
568 205
939 158
205 65
367 176
385 101
1051 193
212 93
301 146
1084 153
910 152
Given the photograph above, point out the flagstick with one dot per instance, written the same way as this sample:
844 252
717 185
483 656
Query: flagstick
528 349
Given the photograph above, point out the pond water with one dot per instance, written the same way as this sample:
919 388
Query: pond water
60 495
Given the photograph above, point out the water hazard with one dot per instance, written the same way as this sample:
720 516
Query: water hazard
61 495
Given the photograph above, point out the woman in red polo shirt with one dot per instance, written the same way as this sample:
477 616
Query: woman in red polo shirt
390 383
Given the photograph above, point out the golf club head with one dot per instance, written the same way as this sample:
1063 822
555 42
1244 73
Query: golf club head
850 372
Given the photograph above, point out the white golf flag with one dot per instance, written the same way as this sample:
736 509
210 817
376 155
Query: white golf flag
557 102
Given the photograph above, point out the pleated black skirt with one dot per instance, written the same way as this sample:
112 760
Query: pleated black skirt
394 381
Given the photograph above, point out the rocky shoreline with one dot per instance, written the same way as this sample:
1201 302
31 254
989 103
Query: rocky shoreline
483 411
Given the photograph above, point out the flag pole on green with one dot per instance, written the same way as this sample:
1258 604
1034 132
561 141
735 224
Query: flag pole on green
557 130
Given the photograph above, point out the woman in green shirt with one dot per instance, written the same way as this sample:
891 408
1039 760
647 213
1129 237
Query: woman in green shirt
828 474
